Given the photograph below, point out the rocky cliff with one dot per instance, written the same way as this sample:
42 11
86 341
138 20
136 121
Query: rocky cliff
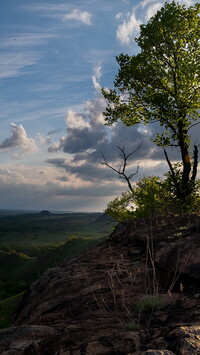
138 292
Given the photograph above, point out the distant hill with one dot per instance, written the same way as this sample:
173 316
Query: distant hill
104 219
45 213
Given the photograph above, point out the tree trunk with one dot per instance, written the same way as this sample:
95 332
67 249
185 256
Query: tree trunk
174 178
182 141
195 163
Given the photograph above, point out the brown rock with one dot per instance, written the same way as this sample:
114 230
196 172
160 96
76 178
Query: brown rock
189 339
84 305
182 257
159 352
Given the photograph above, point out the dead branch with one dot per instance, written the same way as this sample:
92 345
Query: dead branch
121 171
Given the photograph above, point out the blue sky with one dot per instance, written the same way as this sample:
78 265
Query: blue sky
54 58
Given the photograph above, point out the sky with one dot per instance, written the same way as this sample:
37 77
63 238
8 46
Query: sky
54 58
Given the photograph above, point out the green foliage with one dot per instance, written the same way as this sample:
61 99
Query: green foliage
32 234
148 198
150 304
191 203
161 84
7 309
121 208
163 77
11 288
30 244
72 237
133 327
152 196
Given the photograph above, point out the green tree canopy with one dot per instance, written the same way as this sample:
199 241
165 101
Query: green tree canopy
161 84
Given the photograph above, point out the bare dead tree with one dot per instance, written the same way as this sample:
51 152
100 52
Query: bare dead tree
121 171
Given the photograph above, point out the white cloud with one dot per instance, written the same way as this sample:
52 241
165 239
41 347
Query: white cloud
75 120
145 3
118 16
12 64
96 77
187 2
10 175
19 140
152 10
95 110
78 15
128 29
141 13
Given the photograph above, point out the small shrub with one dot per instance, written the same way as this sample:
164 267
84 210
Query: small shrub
132 327
150 304
72 237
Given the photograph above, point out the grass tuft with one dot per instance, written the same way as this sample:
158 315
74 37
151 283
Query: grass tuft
150 304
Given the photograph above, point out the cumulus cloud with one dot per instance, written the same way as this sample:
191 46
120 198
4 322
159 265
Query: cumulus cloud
85 130
151 10
128 29
18 139
76 121
85 143
140 13
78 15
78 140
9 175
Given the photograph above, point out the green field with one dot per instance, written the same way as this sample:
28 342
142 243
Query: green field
32 243
32 233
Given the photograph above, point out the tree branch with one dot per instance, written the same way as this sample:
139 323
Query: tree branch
121 171
171 168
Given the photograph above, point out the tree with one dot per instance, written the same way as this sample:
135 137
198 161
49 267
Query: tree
161 84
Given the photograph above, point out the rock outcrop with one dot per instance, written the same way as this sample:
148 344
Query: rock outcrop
138 292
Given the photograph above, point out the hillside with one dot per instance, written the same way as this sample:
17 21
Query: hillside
31 243
137 292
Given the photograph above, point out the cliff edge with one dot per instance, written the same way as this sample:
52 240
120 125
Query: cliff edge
138 292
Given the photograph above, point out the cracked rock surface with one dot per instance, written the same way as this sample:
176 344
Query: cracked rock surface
138 292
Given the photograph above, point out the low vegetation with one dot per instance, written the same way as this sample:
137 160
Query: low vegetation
150 197
150 304
7 308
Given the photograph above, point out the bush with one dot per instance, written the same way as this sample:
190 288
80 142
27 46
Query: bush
152 196
121 208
